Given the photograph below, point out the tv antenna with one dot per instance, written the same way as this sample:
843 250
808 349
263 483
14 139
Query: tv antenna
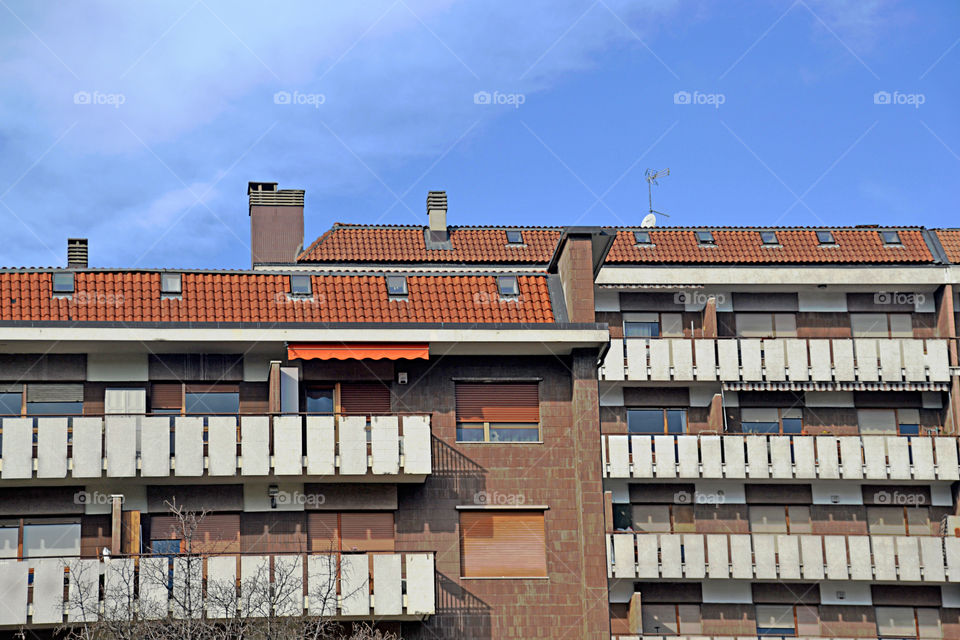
652 176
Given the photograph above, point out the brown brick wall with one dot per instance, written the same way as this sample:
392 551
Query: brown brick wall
563 473
576 273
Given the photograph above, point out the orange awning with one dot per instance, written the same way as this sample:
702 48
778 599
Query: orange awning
357 351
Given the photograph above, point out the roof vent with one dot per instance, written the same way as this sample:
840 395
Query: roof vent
77 252
437 232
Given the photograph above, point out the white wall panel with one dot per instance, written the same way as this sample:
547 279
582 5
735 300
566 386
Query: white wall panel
87 447
682 359
728 358
660 359
188 446
387 587
47 591
711 455
757 463
820 361
694 566
671 565
735 464
155 447
705 354
288 584
222 445
898 454
890 363
867 366
922 449
750 355
322 584
221 584
288 445
642 450
355 585
851 457
804 458
385 445
908 558
353 445
17 448
937 361
788 552
619 456
827 463
666 457
636 358
321 445
798 367
688 456
624 556
875 457
741 557
420 584
835 552
946 450
765 552
780 456
255 445
843 369
931 558
774 360
121 437
861 567
718 564
612 368
884 559
647 556
811 556
417 454
51 447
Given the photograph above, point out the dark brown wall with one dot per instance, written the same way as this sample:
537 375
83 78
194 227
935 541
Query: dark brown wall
276 233
562 473
576 273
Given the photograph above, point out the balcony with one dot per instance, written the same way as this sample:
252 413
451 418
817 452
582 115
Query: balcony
868 361
354 447
762 456
926 559
391 586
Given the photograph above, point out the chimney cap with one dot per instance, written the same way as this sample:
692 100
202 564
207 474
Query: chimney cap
261 186
77 252
436 200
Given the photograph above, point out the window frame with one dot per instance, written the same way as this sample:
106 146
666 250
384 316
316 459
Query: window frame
655 317
514 240
61 287
488 427
642 238
666 421
825 238
301 278
706 238
391 283
502 290
780 419
891 238
765 238
538 514
168 277
774 316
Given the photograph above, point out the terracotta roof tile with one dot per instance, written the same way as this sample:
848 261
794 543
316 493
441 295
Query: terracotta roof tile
950 239
797 246
359 243
108 296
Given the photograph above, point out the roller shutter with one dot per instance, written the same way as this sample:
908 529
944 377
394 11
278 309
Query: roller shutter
364 398
498 402
502 544
367 531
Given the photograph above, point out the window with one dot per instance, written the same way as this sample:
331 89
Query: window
300 285
170 283
54 399
211 401
901 622
507 286
642 237
904 422
654 325
514 237
657 421
9 540
705 238
766 325
825 237
364 398
670 619
776 620
769 238
498 412
396 286
369 531
166 398
51 540
63 283
763 420
10 403
502 544
319 400
881 325
891 238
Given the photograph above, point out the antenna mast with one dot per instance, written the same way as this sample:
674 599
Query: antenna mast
652 175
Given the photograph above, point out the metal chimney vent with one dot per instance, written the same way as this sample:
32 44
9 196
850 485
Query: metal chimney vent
77 252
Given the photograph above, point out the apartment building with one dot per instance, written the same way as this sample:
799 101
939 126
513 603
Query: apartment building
495 432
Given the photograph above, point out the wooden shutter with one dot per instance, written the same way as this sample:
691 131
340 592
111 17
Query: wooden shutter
54 393
364 398
367 531
498 402
323 531
166 395
502 544
275 532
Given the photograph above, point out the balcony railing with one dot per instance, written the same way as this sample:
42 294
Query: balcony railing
393 586
781 457
795 360
130 446
929 559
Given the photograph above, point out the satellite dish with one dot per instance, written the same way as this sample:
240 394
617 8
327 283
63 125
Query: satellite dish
649 220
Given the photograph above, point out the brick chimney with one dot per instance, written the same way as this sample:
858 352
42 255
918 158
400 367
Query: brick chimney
577 260
77 253
437 212
276 223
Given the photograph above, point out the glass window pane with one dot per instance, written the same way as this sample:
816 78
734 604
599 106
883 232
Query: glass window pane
622 518
768 519
645 421
300 284
676 421
54 408
868 325
754 325
896 622
212 403
918 520
10 404
881 421
319 400
671 325
792 425
785 325
901 325
886 521
799 519
514 433
467 432
63 283
651 518
659 619
45 540
641 329
775 620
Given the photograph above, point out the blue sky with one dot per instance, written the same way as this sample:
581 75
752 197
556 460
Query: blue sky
138 125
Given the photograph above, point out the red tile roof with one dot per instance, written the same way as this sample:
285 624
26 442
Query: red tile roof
950 239
736 246
384 244
107 296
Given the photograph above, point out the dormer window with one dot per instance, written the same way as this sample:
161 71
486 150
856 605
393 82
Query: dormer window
514 237
397 286
825 237
705 238
891 238
63 283
769 238
508 287
300 285
171 284
642 237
